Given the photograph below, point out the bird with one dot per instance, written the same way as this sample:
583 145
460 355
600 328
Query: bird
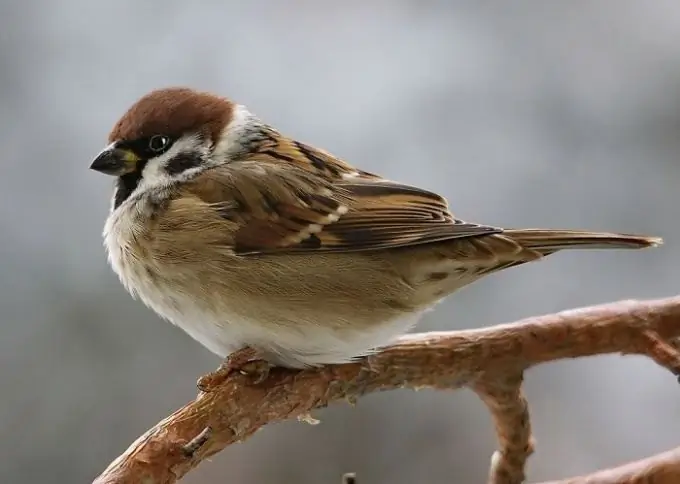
267 249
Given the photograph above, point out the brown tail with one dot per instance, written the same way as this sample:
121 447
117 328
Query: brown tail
549 241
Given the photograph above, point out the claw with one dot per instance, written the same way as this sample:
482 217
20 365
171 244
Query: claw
243 361
258 370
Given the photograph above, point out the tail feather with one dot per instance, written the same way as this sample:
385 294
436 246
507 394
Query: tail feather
549 241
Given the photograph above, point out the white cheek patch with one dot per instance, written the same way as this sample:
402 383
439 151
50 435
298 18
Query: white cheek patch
155 174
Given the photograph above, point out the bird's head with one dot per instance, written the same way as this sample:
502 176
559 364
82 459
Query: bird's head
170 135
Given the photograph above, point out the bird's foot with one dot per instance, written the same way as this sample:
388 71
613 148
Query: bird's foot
244 361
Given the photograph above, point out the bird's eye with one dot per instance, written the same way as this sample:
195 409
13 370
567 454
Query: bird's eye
158 143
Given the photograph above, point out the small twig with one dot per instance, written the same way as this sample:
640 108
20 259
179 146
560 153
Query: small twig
663 353
490 360
190 448
502 394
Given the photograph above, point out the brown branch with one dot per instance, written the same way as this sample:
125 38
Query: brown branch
662 468
491 361
502 394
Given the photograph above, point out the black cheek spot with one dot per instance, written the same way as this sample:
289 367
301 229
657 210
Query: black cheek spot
182 162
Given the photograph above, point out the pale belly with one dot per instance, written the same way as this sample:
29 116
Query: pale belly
319 319
311 337
295 346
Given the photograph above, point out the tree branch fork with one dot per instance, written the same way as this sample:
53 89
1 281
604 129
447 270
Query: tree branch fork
491 361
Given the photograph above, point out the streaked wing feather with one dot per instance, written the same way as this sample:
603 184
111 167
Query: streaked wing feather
386 214
282 206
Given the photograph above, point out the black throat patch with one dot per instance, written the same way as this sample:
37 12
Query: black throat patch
126 184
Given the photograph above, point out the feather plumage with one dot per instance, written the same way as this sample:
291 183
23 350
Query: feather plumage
257 240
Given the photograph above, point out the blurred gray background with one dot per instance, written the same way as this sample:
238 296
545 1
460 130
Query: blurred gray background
524 113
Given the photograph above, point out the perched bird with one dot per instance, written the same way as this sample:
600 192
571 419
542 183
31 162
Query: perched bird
265 248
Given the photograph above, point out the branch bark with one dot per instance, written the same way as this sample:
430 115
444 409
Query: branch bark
491 361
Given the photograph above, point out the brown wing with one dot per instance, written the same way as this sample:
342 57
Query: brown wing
385 214
275 207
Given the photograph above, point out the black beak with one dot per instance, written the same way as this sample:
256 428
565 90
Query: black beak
115 161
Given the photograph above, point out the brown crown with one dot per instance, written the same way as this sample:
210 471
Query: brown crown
174 111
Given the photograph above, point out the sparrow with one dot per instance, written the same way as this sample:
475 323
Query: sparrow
262 247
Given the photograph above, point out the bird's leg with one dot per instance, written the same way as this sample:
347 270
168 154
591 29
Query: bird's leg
245 361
